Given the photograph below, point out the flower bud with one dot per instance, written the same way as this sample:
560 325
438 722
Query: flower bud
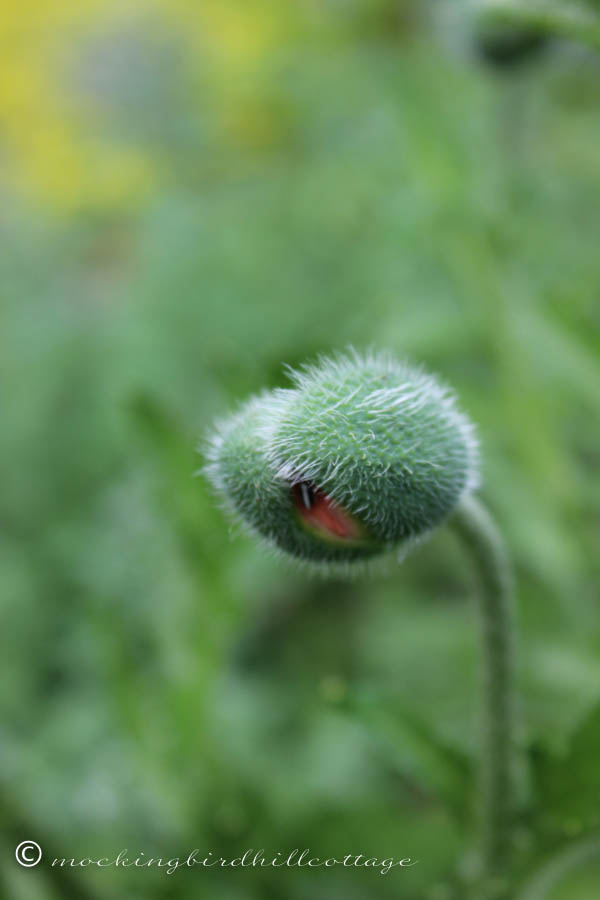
505 46
362 454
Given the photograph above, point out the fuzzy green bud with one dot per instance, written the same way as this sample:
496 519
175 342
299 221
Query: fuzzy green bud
362 454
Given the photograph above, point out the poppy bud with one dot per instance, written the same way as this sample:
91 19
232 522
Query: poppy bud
361 455
505 46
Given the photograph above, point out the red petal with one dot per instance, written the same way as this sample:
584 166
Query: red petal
326 516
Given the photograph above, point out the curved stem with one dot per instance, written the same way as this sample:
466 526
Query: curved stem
558 866
478 532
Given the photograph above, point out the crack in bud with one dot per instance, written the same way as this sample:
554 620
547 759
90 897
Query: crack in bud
319 512
383 438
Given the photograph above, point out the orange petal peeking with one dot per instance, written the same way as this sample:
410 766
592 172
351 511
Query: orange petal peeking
320 513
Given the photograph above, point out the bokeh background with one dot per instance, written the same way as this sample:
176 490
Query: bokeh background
194 194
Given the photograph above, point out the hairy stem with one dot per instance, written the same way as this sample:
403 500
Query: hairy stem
478 532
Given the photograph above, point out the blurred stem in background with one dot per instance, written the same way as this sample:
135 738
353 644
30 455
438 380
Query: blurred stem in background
559 866
478 532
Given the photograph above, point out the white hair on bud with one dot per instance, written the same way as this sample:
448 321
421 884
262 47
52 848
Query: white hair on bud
381 439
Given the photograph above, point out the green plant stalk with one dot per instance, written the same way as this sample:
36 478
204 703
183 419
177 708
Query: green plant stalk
361 455
479 534
554 870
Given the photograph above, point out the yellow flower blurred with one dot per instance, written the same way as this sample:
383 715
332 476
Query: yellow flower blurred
71 97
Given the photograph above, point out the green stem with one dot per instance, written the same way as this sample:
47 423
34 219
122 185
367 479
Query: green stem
558 866
478 532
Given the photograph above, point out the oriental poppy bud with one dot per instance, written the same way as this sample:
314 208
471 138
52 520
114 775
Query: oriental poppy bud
502 37
505 46
361 455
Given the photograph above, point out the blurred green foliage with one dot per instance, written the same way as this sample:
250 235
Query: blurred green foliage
164 684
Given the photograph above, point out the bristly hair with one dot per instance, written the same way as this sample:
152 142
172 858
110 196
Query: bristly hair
380 439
